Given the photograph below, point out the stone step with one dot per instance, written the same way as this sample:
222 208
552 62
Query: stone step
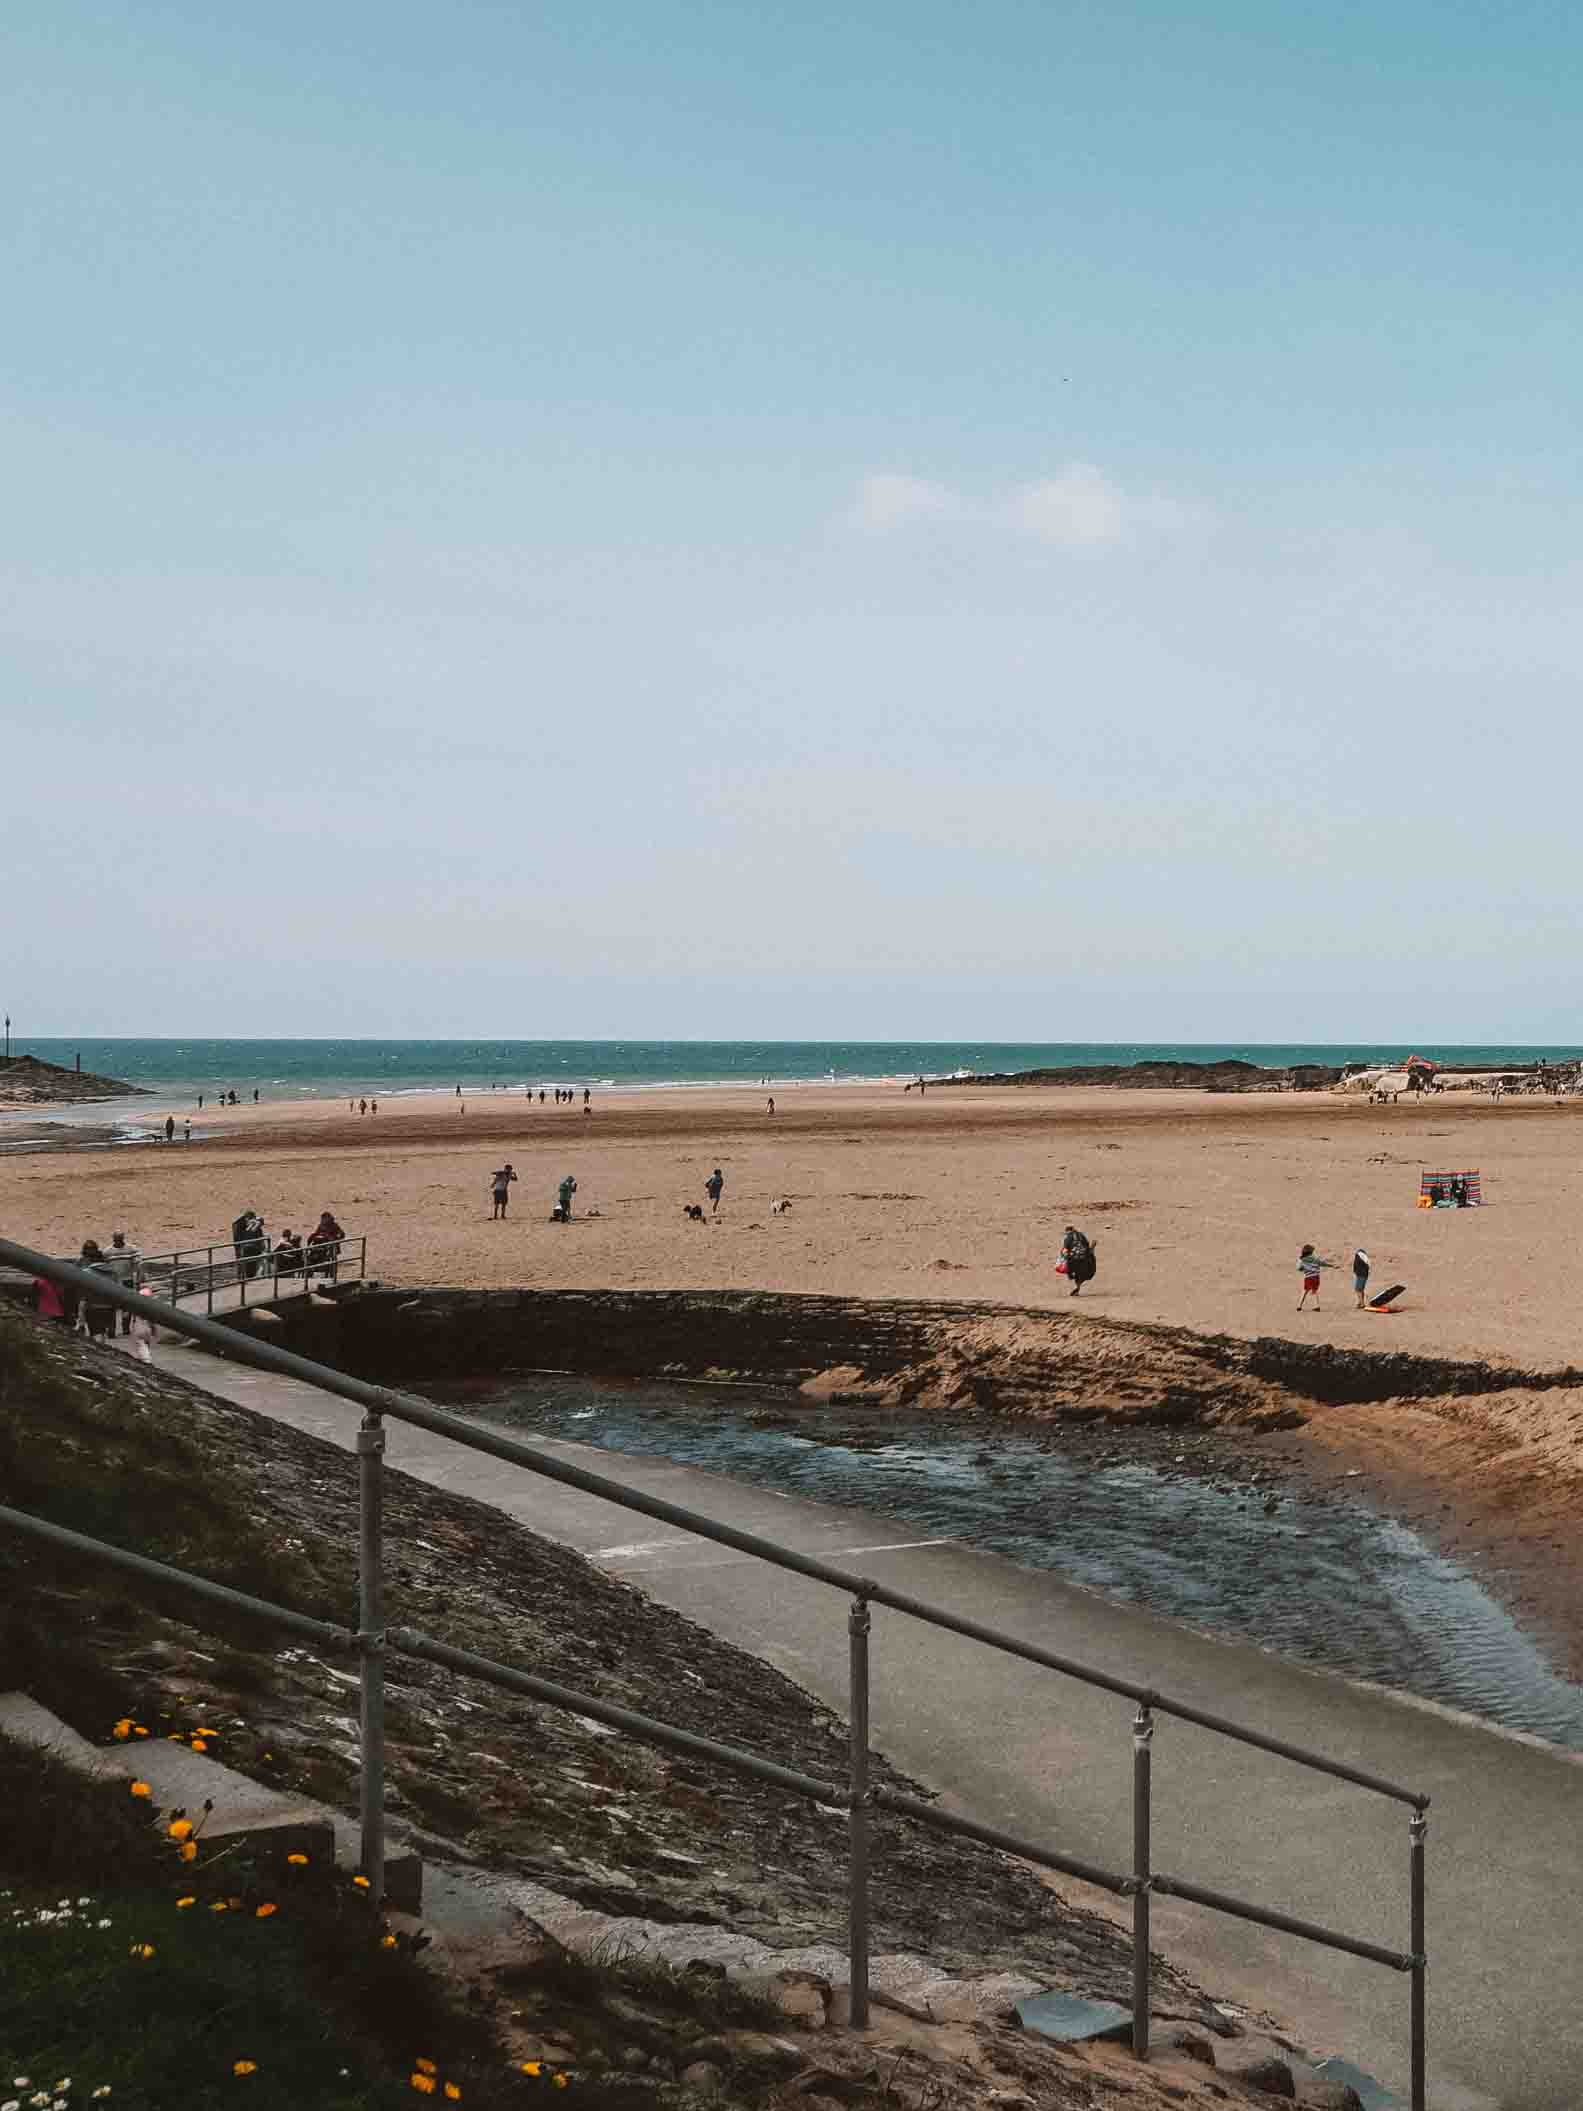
243 1809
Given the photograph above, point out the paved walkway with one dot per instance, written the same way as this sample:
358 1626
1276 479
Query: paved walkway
1050 1758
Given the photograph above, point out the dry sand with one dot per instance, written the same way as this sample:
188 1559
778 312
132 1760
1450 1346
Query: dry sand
1198 1205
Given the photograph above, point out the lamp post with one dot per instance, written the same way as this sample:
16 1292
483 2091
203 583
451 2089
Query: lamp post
8 1037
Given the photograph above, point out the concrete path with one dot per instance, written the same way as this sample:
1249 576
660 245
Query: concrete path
1051 1758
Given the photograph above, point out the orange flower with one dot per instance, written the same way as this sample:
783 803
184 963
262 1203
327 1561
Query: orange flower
532 2067
218 1906
453 2092
244 2066
361 1882
425 2066
142 1950
387 1942
188 1850
298 1861
141 1788
262 1912
180 1828
198 1745
122 1730
181 1902
138 1730
423 2083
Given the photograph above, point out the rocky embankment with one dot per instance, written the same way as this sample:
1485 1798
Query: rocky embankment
1232 1075
483 1780
993 1360
27 1082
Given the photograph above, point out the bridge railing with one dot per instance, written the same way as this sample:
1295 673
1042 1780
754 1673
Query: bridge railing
859 1796
257 1272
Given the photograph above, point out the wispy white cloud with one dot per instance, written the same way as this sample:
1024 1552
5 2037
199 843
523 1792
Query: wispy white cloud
886 500
1078 508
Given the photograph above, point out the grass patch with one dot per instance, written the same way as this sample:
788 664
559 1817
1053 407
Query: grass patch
129 1970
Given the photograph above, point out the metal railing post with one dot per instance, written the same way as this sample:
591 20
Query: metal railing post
371 1644
857 1627
1142 1742
1418 1829
208 1277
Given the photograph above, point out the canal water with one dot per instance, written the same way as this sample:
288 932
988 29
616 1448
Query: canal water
1185 1524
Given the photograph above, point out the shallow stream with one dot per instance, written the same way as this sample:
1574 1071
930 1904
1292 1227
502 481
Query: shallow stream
1188 1525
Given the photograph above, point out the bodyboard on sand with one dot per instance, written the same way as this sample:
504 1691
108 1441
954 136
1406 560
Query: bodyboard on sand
1386 1298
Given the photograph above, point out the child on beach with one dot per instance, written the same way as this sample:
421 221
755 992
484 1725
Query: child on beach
1361 1265
1308 1267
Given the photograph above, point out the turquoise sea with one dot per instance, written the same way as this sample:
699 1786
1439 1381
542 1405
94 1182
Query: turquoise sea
178 1069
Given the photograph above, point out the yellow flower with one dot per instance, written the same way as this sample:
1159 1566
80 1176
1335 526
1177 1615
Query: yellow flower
244 2066
218 1906
141 1788
425 2066
185 1902
453 2092
361 1882
138 1730
202 1732
298 1861
122 1730
532 2067
142 1949
180 1828
262 1912
188 1850
387 1942
423 2083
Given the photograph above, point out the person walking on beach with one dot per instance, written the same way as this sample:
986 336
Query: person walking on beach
714 1186
100 1317
141 1330
1308 1267
170 1128
1077 1250
500 1185
567 1189
1360 1275
123 1264
772 1103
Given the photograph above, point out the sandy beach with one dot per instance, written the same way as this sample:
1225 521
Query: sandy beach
1198 1205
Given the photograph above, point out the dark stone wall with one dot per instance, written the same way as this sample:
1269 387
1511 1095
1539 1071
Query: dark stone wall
974 1357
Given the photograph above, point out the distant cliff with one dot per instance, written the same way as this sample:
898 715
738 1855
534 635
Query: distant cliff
26 1082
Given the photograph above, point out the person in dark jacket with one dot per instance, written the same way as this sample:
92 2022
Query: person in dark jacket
1078 1253
100 1317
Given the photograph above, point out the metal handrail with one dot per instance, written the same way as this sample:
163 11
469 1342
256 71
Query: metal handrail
199 1271
379 1401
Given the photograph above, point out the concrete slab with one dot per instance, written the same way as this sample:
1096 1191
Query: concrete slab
1070 2020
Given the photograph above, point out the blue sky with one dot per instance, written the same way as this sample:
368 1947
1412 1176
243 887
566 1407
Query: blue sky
1052 521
